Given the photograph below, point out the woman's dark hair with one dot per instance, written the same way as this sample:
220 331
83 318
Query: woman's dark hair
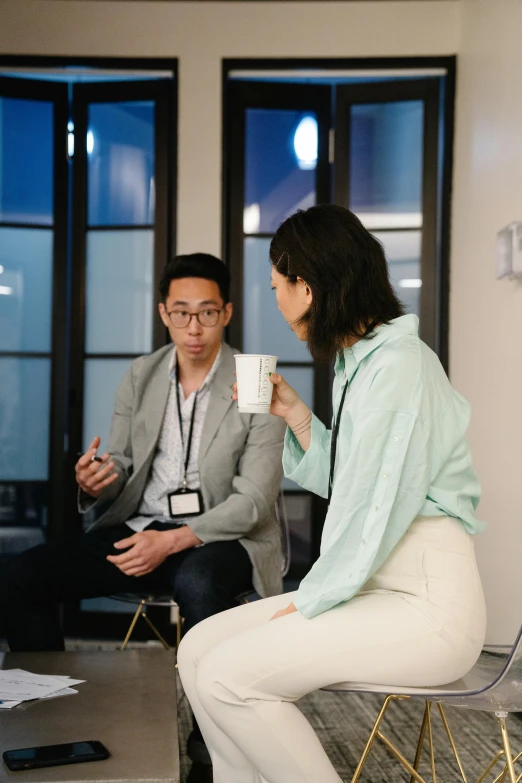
344 266
196 265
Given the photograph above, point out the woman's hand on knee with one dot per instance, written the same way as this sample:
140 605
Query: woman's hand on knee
281 613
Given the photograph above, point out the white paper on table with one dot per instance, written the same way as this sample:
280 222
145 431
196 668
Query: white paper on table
63 692
8 705
63 678
20 687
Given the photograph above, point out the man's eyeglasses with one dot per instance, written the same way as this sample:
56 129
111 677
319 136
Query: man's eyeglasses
181 318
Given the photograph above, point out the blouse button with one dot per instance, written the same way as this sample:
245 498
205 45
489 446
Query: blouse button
376 508
395 438
385 475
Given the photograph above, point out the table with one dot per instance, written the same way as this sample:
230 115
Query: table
128 703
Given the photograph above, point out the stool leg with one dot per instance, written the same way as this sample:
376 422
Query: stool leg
403 760
155 630
432 749
420 743
490 766
507 748
452 742
371 738
139 610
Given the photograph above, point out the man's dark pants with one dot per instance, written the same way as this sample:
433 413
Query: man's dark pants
203 581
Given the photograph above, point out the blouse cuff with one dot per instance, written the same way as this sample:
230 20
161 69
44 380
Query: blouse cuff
297 463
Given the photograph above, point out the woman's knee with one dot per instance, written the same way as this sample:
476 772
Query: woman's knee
219 677
195 644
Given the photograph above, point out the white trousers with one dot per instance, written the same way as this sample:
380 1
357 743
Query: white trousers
420 620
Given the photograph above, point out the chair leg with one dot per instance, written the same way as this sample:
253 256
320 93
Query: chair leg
403 760
430 740
420 743
371 738
507 748
139 610
490 766
452 742
501 778
155 630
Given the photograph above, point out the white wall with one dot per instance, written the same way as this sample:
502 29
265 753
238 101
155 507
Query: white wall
201 34
486 315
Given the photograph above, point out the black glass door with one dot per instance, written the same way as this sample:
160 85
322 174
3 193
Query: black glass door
33 215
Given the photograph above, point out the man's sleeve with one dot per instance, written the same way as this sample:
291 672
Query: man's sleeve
118 446
255 487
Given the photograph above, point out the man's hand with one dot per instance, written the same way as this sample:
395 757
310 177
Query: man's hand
281 613
147 550
93 475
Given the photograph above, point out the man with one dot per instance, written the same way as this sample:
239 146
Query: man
192 484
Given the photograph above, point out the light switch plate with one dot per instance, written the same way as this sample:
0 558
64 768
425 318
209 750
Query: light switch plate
509 251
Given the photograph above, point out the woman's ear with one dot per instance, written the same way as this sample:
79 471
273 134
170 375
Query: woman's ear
306 289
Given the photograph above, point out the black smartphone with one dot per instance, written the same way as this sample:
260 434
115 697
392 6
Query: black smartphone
54 755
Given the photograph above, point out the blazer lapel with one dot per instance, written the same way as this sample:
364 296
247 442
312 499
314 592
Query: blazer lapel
220 400
155 401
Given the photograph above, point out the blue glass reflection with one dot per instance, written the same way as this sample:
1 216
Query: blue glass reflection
275 184
25 386
120 147
264 328
26 278
26 161
386 150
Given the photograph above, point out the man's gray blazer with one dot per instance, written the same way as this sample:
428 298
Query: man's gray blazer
239 463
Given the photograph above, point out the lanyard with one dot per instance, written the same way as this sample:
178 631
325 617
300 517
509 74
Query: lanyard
192 418
335 435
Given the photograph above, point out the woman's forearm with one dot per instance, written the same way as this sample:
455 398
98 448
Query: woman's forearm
300 422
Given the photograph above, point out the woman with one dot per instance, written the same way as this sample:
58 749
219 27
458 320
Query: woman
395 596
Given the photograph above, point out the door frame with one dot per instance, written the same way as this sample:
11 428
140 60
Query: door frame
55 93
427 91
112 92
63 515
448 67
242 96
233 178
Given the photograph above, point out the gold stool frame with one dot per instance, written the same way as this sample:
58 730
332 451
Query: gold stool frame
426 727
141 611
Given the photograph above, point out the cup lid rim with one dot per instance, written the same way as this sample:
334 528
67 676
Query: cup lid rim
263 355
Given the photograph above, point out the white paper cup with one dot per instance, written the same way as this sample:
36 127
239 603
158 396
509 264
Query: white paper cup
254 387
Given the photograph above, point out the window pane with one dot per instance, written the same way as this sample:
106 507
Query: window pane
26 271
264 328
403 252
386 149
120 151
24 423
302 380
277 181
26 161
23 517
119 291
102 377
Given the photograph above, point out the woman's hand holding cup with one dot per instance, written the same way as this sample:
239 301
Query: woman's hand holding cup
285 400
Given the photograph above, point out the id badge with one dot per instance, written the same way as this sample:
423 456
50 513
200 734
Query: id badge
185 503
